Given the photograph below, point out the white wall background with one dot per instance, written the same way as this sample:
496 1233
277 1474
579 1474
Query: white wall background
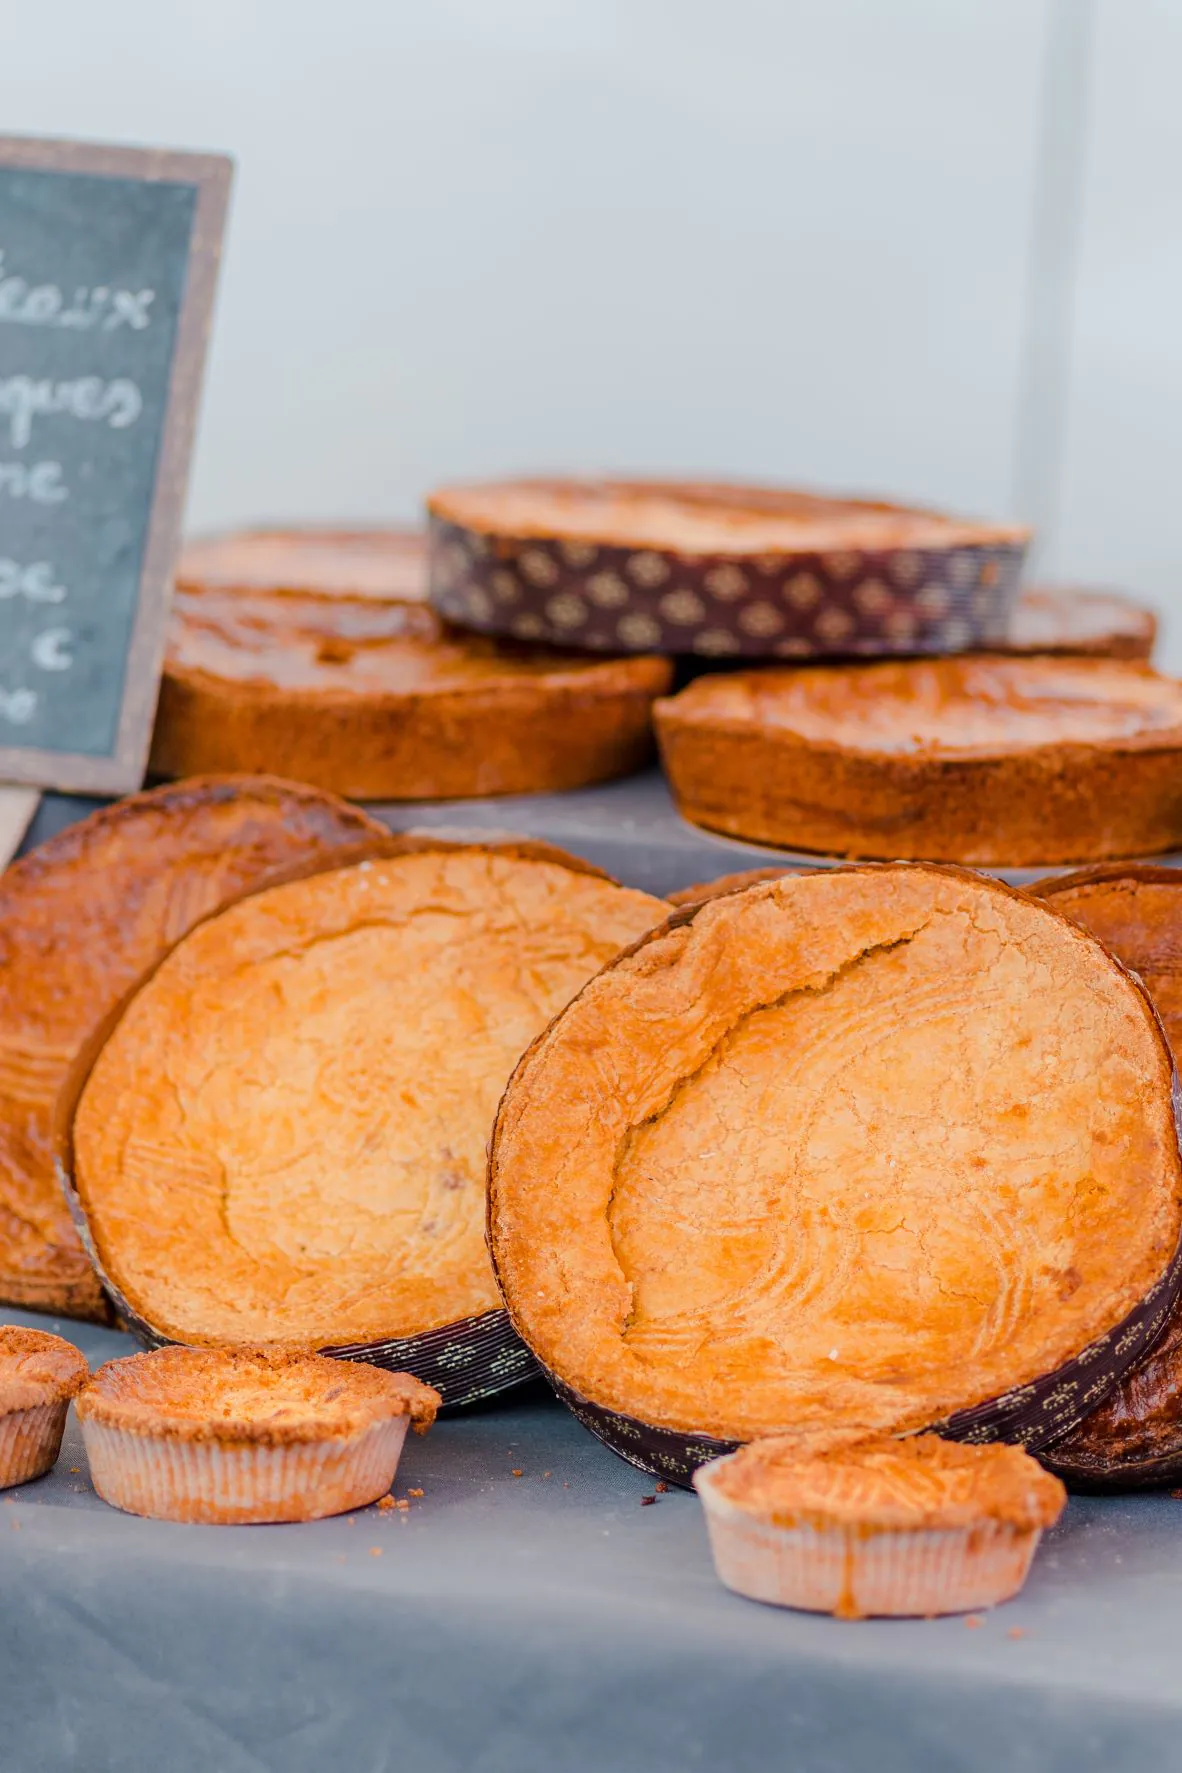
921 247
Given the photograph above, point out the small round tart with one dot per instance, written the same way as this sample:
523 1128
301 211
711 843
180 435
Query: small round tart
880 1527
189 1434
1067 619
984 759
717 570
82 918
284 1138
871 1149
315 652
39 1374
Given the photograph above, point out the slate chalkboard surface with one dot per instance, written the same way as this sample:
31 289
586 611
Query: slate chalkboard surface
108 259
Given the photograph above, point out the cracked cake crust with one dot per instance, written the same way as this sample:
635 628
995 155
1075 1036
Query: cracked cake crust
282 1140
863 1149
918 1482
259 1395
82 917
37 1368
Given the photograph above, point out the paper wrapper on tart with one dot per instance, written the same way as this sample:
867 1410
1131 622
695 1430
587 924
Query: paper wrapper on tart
716 570
227 1437
891 1528
1070 619
316 652
997 761
1134 1439
81 919
879 1149
39 1374
282 1138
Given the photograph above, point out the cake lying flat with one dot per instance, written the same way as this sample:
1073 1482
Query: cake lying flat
717 569
842 1154
284 1139
81 919
316 652
987 759
1070 619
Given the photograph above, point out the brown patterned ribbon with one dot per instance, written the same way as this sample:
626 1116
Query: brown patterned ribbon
632 600
1030 1416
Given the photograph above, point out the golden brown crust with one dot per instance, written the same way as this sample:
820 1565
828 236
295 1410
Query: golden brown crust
983 759
256 1395
1070 619
854 1148
372 565
1136 911
37 1368
343 675
81 919
918 1483
297 1101
727 883
702 517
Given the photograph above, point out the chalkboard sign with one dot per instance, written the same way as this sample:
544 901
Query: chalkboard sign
108 262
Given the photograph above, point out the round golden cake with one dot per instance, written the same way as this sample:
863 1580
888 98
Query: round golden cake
716 569
82 918
884 1527
39 1374
246 1435
315 653
984 759
855 1152
1071 619
284 1138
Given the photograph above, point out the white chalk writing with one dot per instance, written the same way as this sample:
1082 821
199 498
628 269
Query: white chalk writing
23 398
39 482
45 304
50 650
34 583
18 705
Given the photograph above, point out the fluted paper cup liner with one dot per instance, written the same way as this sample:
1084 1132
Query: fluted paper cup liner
223 1482
857 1571
30 1441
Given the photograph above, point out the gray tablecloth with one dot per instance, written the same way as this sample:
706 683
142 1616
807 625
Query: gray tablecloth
630 828
550 1623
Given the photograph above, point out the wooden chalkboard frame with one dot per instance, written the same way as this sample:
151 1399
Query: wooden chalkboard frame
211 174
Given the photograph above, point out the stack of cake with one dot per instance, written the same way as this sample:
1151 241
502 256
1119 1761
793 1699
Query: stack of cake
857 1168
954 717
